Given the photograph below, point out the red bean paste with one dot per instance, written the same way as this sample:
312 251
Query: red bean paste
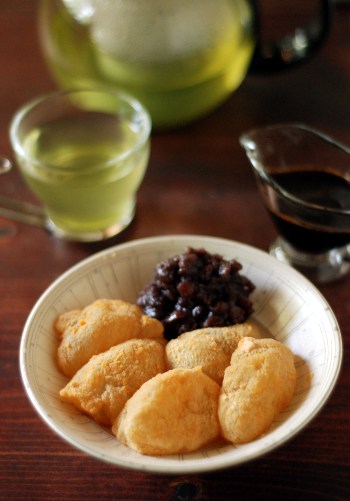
197 289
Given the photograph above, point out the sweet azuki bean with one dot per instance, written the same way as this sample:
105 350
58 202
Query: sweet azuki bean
197 289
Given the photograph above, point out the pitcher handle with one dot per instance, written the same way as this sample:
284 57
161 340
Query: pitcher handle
294 48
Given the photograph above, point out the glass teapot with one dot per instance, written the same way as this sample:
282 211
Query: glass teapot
181 58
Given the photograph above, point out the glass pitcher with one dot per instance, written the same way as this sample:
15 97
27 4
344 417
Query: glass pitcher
180 58
303 176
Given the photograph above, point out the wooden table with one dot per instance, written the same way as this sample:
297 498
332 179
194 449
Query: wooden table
199 182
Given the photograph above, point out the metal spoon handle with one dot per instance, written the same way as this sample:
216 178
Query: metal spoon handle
23 212
5 165
17 210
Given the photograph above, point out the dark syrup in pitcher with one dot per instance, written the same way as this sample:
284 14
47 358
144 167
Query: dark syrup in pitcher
322 231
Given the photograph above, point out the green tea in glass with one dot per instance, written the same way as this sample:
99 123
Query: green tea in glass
84 161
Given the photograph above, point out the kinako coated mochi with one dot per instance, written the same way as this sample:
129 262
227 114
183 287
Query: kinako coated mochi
103 385
172 413
98 327
210 348
257 386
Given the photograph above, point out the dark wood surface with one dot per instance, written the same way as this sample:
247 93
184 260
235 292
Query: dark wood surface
198 181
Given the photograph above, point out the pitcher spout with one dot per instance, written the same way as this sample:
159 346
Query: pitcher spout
292 146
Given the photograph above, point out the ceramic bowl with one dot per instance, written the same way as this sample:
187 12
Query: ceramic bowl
286 303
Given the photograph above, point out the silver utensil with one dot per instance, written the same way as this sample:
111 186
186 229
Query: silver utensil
17 210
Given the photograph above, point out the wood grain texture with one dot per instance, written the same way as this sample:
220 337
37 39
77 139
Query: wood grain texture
198 181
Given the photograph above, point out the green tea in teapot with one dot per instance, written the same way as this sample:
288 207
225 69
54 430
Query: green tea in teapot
181 58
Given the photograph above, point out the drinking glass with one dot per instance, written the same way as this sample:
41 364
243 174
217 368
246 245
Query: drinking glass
84 154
